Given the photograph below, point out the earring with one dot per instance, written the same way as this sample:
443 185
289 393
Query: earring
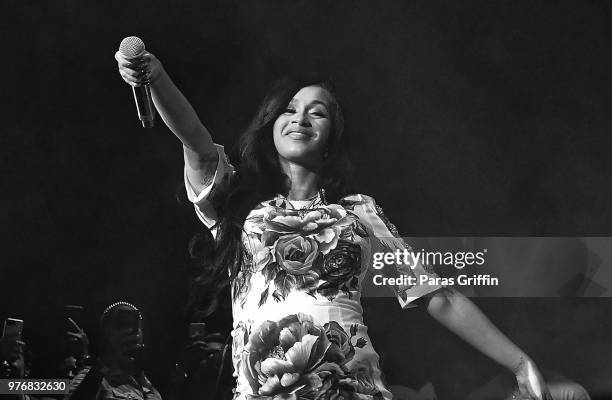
326 153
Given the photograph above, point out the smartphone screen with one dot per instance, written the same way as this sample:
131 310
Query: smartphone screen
13 328
197 328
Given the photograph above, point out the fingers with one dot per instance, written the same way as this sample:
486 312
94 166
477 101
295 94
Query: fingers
147 57
135 71
126 62
215 346
208 343
196 345
215 337
78 328
205 348
120 58
197 337
201 352
124 337
130 339
135 67
142 63
211 337
134 78
129 80
126 332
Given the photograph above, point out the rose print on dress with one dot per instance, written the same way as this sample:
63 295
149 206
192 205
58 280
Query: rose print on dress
279 222
340 270
296 359
296 254
311 250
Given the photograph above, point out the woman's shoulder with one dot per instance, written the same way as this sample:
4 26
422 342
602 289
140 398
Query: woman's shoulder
368 210
357 199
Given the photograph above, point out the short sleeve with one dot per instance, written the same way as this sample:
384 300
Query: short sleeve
386 239
203 206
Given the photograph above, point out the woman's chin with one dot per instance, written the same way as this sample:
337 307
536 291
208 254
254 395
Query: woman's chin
301 156
307 160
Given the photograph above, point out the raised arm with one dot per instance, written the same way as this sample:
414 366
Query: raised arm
455 311
201 155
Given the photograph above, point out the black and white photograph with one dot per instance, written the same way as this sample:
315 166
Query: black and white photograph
306 200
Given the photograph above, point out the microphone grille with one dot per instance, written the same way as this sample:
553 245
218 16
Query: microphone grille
131 46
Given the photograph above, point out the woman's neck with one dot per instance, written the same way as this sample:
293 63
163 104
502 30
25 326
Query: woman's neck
304 181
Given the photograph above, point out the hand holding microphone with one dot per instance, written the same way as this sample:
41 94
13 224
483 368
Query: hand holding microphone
139 68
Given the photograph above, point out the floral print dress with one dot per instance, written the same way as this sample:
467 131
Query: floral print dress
298 327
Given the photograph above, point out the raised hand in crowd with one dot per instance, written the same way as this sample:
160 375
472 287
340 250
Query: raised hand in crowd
77 354
79 341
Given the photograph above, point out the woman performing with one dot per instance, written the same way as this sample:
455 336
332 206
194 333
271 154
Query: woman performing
294 247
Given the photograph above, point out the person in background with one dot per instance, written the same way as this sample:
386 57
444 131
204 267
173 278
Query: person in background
14 361
199 369
119 371
13 357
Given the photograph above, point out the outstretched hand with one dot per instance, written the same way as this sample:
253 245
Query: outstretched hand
531 385
139 71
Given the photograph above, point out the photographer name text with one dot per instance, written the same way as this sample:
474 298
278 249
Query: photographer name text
461 280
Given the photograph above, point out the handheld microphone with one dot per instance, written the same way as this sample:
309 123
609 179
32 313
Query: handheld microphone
133 47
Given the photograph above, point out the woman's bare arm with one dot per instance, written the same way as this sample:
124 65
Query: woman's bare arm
201 156
456 312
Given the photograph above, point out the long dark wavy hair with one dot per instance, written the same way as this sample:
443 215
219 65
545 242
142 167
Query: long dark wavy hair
259 177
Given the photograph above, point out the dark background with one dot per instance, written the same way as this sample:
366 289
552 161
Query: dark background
465 117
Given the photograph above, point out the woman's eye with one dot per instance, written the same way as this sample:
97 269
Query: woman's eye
289 110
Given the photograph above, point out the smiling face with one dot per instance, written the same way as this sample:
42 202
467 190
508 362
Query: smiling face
301 132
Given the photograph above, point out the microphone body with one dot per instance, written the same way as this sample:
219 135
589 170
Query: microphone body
144 105
133 47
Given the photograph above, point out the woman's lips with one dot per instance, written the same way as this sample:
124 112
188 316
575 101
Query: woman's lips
299 135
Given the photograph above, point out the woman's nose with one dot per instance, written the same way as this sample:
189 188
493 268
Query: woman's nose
301 119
